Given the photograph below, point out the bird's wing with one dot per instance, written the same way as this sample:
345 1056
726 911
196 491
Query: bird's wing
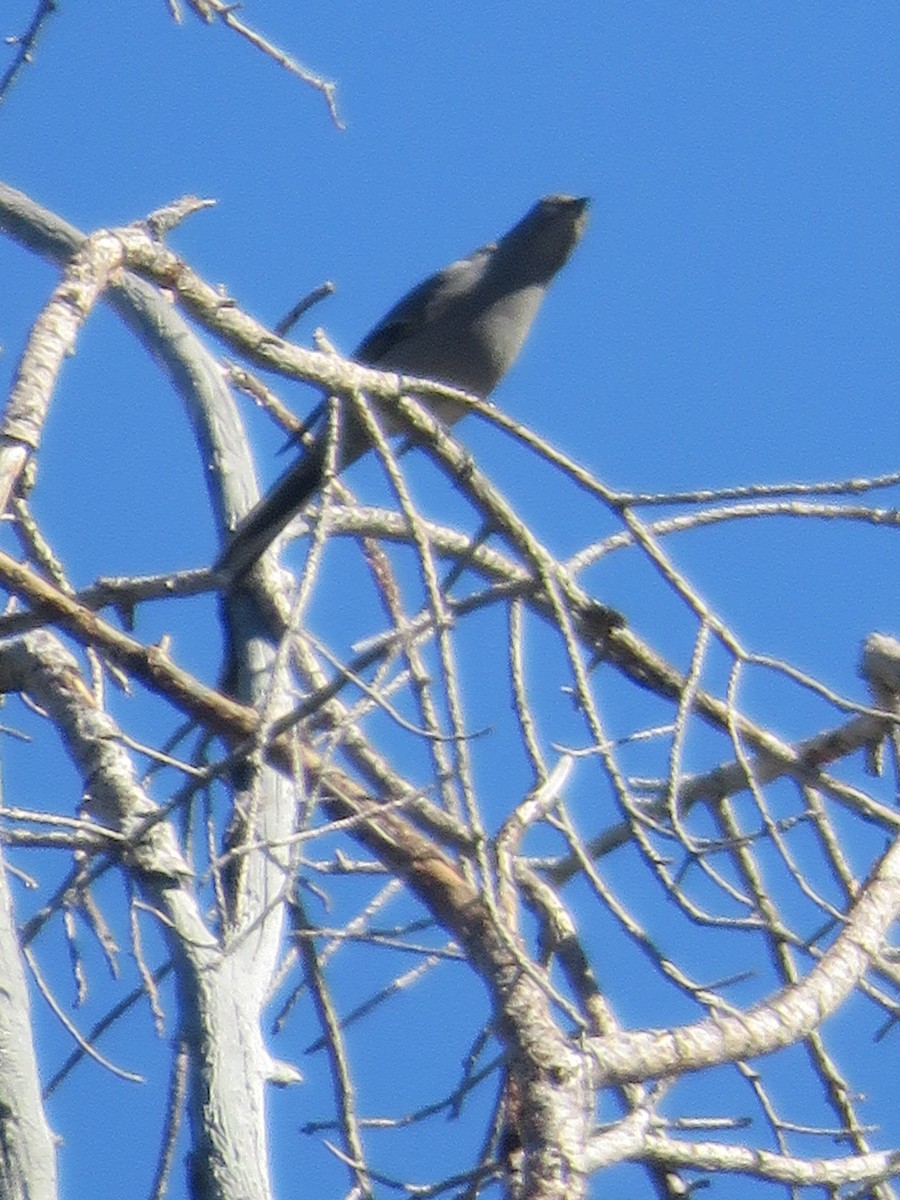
419 308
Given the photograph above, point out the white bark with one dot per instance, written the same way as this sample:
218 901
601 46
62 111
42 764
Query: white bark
27 1150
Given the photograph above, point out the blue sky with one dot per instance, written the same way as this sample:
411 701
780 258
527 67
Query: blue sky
730 317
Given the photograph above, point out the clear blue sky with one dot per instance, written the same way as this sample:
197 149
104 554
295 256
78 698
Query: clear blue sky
731 316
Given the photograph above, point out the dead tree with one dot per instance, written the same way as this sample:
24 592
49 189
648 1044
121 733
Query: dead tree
434 746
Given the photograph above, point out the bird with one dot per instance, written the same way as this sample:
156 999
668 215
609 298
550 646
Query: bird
463 326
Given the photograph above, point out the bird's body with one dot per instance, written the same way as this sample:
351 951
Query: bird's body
464 326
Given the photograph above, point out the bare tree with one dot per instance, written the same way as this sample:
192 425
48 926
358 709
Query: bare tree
436 764
367 765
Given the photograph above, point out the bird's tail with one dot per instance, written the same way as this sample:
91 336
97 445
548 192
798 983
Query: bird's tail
264 522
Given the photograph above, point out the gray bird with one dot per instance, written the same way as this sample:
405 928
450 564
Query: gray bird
463 326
